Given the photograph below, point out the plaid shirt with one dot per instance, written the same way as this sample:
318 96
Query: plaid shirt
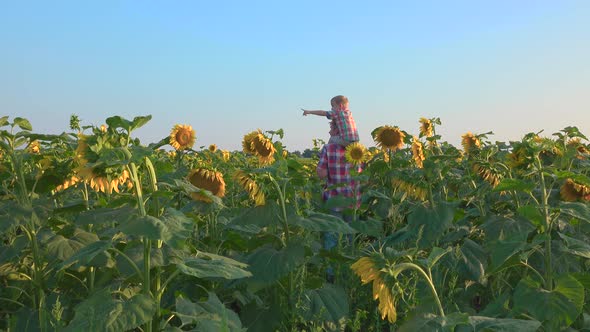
345 124
339 181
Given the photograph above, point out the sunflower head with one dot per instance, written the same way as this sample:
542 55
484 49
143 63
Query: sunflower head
426 127
72 181
34 147
470 142
418 152
382 292
209 180
251 187
367 270
518 157
259 145
225 155
572 191
356 153
182 137
247 142
389 138
581 149
487 173
411 189
103 180
212 147
103 128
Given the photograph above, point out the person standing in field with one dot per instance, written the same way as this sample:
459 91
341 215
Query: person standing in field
342 117
337 172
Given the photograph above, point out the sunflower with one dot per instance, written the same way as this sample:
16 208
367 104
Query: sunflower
260 146
212 147
72 181
182 137
225 154
247 142
487 173
356 153
367 270
34 147
103 128
389 138
382 293
572 191
581 149
418 152
99 181
251 187
470 142
209 180
412 190
426 128
517 157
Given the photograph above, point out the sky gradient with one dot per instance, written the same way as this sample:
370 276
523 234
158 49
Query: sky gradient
230 67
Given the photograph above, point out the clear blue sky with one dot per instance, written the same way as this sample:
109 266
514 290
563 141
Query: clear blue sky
230 67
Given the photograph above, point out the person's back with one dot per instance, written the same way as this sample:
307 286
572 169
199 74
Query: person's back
334 167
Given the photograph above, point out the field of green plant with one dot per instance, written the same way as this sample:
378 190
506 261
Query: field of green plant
102 232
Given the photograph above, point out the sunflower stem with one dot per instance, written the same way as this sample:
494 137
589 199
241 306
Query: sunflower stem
404 266
546 217
24 200
283 208
146 242
153 184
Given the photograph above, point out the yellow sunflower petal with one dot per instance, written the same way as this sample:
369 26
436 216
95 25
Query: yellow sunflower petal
209 180
426 128
389 138
182 137
470 142
356 153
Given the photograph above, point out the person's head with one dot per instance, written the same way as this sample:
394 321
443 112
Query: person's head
339 102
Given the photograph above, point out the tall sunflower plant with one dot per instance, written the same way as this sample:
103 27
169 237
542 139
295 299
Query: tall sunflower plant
391 271
427 131
23 216
151 225
544 189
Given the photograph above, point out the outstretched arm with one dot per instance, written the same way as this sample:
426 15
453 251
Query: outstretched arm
314 112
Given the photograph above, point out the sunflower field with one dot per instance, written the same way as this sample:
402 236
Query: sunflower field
100 232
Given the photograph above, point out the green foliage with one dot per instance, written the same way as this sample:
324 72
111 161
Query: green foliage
101 312
478 240
555 308
207 316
